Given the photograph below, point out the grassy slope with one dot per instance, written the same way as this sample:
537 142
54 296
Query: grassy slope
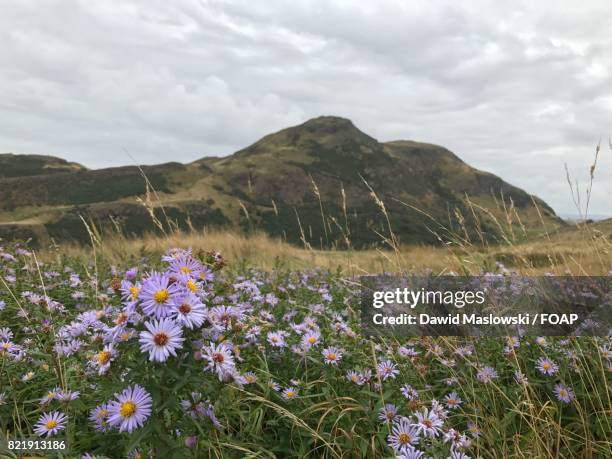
270 184
577 250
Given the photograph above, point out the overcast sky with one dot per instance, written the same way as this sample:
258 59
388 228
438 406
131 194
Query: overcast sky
518 90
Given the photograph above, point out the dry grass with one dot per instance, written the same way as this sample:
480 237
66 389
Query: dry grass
579 250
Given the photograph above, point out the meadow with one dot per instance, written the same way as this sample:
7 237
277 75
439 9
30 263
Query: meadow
223 344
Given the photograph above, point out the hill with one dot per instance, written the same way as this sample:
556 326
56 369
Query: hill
26 165
311 184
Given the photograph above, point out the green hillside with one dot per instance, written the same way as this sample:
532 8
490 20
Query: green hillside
310 183
24 165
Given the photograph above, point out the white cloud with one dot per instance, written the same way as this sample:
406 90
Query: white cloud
516 88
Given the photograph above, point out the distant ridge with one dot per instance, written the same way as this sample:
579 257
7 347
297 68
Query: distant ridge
308 184
12 165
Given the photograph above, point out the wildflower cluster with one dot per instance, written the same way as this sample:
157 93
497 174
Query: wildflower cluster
185 355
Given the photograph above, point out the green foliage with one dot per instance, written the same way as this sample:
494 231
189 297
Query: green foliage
330 417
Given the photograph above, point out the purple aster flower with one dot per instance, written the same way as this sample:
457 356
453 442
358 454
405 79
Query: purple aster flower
220 358
193 406
452 400
428 423
249 378
406 352
50 423
131 409
131 273
156 295
6 347
520 378
67 396
486 374
387 413
289 393
130 292
547 366
332 355
438 409
473 429
276 339
206 274
5 333
102 360
364 377
189 310
387 369
564 393
50 396
403 435
185 265
353 376
209 411
162 339
310 339
409 392
273 385
99 416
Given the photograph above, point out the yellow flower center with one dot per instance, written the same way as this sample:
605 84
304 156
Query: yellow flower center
102 414
134 292
312 340
51 423
403 438
192 286
161 296
103 357
546 366
186 270
290 394
331 356
127 409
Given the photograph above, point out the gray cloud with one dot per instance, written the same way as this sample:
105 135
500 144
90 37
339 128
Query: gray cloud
515 88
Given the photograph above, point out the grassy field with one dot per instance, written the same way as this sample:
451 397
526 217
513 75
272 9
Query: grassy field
111 351
578 249
219 344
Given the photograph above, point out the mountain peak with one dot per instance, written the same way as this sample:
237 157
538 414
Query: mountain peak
328 125
314 136
328 121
